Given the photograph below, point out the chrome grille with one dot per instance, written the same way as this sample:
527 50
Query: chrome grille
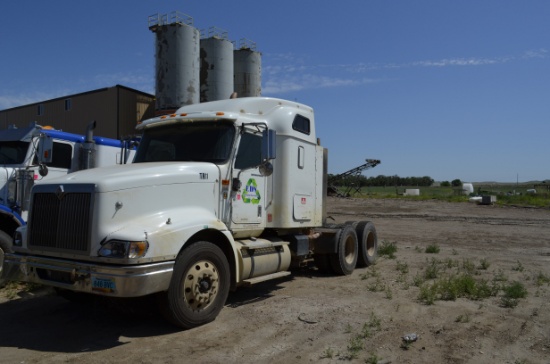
61 220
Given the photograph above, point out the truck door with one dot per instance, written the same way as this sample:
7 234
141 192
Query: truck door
248 202
61 161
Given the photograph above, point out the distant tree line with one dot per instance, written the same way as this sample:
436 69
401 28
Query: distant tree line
453 183
380 181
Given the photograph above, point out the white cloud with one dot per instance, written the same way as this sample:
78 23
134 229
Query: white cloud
286 72
308 81
535 53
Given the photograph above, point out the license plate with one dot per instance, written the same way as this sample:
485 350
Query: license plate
103 285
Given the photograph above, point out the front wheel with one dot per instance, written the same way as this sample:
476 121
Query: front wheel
5 247
199 286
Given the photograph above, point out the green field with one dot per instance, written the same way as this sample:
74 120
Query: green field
507 194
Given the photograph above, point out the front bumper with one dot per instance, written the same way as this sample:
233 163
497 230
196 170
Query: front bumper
107 280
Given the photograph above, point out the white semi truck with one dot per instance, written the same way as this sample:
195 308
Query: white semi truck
219 195
38 154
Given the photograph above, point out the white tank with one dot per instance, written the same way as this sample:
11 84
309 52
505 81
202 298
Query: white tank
467 188
248 70
216 70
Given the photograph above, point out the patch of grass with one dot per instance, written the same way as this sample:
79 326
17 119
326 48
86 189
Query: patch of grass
348 329
508 302
11 289
428 294
405 345
519 198
468 266
371 272
402 278
387 249
355 345
451 263
356 342
432 269
372 359
402 267
418 280
432 249
376 286
518 267
512 294
389 293
418 249
541 279
328 353
374 324
484 264
454 252
452 287
515 290
500 276
463 318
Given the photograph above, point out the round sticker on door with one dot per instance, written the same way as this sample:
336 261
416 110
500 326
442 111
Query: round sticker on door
251 193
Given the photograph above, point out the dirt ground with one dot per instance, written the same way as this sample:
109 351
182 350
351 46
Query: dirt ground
317 318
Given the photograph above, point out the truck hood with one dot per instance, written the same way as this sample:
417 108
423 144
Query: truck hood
128 176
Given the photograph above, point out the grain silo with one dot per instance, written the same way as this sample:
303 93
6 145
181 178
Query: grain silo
177 62
247 69
216 73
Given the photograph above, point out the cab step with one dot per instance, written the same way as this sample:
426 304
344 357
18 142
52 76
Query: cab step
251 281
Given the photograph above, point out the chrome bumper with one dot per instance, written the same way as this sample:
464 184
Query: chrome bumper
107 280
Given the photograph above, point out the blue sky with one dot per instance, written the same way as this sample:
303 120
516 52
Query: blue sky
447 89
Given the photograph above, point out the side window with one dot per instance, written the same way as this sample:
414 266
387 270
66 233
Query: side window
250 151
301 124
62 155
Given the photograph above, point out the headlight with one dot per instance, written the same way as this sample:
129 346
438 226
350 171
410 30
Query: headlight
123 249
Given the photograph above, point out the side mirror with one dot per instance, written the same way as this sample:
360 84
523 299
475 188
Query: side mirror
45 149
266 169
269 143
43 170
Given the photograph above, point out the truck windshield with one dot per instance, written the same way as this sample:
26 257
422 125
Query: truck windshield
13 152
189 142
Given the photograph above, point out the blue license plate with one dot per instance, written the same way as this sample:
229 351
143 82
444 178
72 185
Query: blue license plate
103 285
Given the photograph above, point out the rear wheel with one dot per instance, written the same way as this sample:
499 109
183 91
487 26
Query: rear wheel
343 262
5 247
199 286
368 243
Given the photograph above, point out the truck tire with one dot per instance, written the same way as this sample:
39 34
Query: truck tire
343 262
5 247
199 286
368 243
